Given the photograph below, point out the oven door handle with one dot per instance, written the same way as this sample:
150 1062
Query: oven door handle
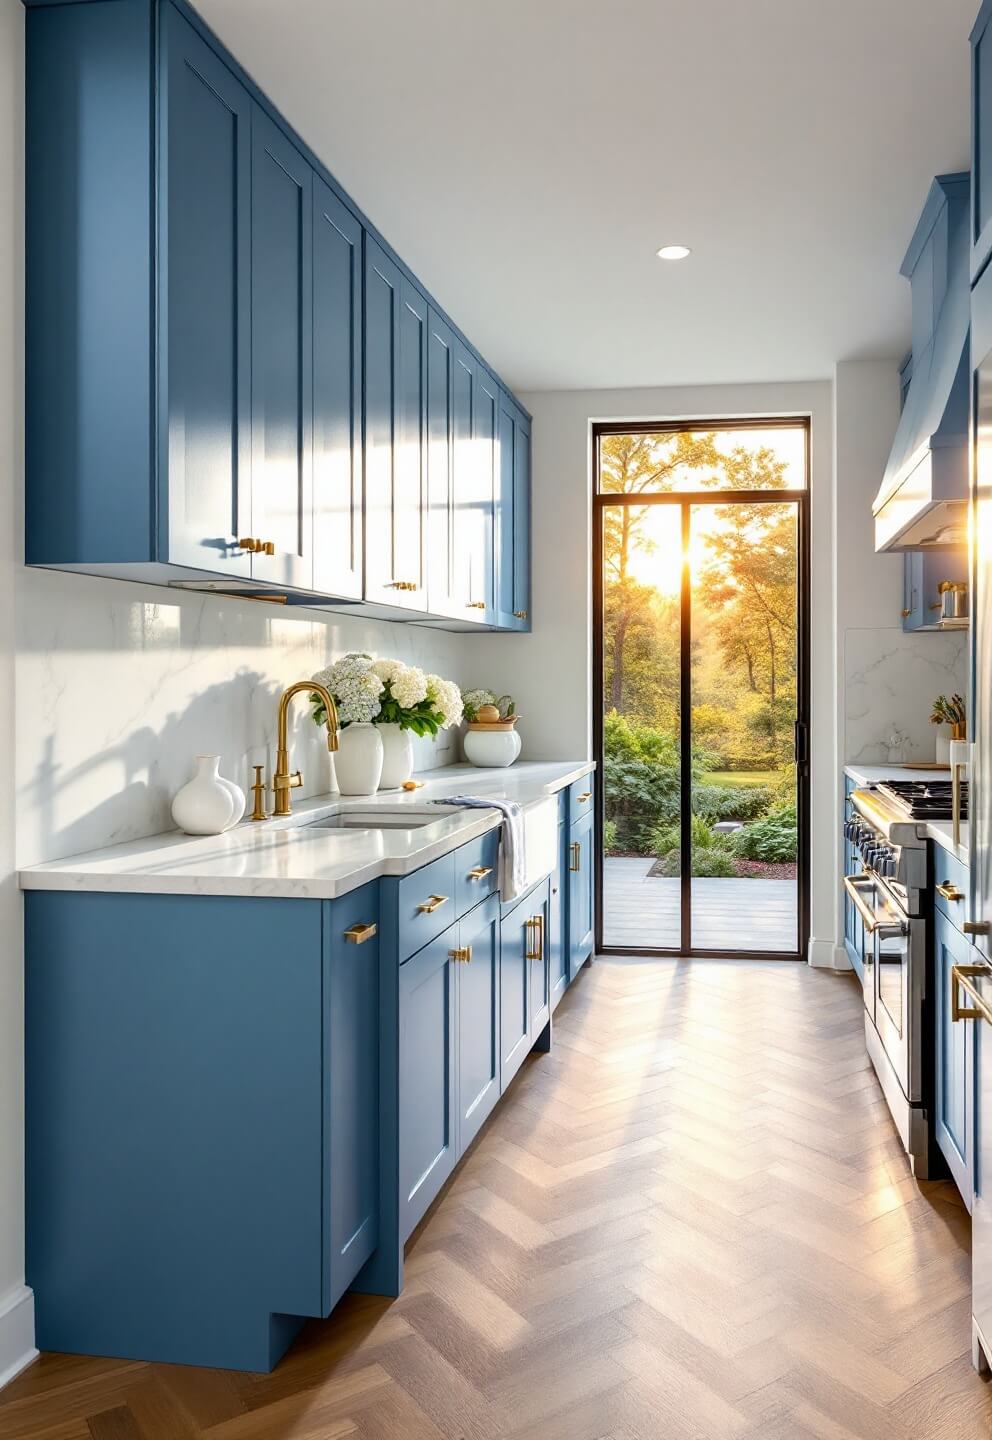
873 925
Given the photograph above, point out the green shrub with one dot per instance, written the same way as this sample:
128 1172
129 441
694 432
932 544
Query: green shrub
666 838
775 839
730 802
609 836
708 863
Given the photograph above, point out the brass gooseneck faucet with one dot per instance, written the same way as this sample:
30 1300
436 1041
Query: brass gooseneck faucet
282 781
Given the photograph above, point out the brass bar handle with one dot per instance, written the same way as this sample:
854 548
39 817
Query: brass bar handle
358 934
479 872
961 977
432 903
949 891
536 924
250 544
976 927
462 953
476 605
520 614
401 585
576 850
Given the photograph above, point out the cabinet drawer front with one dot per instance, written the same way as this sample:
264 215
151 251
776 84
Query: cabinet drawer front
949 872
425 904
476 871
581 796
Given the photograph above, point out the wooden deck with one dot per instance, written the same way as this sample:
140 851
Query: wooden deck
642 911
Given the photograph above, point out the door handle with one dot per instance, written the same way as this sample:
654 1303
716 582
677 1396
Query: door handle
961 977
576 850
536 924
802 743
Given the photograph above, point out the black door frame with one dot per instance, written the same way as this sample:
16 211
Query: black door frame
686 499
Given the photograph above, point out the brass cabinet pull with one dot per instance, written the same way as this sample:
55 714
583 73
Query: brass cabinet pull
536 925
906 614
432 903
401 585
251 545
586 796
961 977
949 891
476 605
976 927
479 872
267 547
462 953
520 614
576 850
358 934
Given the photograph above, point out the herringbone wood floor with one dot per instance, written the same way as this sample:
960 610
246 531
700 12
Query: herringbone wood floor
691 1219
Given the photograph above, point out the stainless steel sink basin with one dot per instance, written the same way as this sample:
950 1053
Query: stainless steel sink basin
377 819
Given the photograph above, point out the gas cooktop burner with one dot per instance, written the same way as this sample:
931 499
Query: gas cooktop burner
925 799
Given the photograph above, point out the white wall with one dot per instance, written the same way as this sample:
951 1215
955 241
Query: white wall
119 686
16 1318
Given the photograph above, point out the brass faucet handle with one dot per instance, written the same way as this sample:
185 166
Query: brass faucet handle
288 782
258 790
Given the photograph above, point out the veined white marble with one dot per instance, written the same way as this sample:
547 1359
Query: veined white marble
119 686
892 679
286 858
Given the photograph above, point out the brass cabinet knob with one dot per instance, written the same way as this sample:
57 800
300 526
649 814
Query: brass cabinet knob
432 903
479 872
358 934
520 614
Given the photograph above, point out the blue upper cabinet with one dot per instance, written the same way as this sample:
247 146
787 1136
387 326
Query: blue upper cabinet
924 572
205 294
337 396
513 519
395 434
230 384
981 141
282 358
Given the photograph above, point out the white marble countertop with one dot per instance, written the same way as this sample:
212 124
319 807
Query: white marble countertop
286 858
940 831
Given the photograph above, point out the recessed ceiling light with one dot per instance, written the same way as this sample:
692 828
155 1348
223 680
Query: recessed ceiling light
674 252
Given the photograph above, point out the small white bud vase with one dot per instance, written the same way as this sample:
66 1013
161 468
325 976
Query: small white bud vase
491 748
397 756
205 806
358 759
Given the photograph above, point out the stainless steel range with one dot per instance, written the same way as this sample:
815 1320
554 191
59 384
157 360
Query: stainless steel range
890 893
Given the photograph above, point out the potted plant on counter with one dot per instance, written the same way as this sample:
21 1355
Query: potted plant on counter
951 712
491 738
381 703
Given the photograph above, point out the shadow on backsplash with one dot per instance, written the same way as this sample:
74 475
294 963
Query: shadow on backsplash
891 680
117 691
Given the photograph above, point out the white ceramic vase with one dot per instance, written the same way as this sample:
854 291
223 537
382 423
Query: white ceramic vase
237 799
491 748
206 806
397 756
944 745
358 759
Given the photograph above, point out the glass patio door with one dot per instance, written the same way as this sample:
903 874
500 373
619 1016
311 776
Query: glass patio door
701 688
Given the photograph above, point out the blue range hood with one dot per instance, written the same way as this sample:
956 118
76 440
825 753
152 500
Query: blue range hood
923 500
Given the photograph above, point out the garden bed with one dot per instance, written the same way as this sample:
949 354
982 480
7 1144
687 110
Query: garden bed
745 870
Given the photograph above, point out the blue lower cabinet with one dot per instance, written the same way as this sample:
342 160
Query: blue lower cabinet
539 981
428 1133
198 1120
557 922
580 894
478 1019
955 1092
524 979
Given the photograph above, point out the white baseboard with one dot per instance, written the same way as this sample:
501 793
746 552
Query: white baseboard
17 1347
827 955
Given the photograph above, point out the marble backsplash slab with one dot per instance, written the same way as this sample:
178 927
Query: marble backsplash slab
119 686
891 680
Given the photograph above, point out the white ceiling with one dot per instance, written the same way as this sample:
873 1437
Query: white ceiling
527 158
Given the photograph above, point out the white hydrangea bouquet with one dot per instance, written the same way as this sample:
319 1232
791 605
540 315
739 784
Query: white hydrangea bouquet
387 692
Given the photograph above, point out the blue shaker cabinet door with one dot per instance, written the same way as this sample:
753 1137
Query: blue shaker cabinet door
351 1086
557 930
282 357
580 894
395 434
478 1019
206 298
444 592
337 396
514 1003
428 1112
955 1063
539 914
513 519
479 514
